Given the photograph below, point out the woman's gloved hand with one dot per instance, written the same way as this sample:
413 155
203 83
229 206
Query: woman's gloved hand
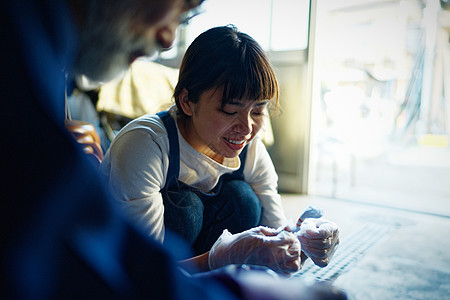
263 246
319 239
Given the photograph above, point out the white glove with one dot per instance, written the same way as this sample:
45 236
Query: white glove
309 212
319 239
263 246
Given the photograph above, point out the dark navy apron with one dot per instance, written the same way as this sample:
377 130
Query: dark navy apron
199 217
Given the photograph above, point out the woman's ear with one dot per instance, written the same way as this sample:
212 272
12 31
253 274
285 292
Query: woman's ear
186 105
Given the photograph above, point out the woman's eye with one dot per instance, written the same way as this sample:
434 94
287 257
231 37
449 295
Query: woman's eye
258 113
228 113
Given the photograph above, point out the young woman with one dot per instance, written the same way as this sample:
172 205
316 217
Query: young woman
201 168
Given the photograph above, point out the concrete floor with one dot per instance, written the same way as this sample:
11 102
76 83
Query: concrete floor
394 227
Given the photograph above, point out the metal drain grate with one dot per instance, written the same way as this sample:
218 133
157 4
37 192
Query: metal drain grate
349 251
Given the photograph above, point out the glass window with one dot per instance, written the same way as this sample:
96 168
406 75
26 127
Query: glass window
276 24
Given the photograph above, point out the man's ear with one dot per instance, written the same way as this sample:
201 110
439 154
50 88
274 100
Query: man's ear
185 103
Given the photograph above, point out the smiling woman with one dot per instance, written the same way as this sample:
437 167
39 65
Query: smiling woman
201 167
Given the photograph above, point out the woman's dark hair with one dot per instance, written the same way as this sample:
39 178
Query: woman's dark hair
225 57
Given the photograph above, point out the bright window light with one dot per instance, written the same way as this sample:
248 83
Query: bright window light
276 24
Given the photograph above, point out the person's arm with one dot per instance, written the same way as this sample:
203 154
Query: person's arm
198 263
135 169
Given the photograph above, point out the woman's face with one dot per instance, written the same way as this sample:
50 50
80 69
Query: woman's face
218 131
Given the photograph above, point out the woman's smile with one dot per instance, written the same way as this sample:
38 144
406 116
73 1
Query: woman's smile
235 144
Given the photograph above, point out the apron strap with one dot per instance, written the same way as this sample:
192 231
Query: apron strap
174 152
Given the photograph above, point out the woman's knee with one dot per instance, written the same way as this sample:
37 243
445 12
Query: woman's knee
243 193
242 196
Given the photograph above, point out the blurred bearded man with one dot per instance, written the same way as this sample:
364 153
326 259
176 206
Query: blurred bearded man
62 238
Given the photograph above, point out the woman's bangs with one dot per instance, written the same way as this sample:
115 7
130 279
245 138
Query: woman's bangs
248 85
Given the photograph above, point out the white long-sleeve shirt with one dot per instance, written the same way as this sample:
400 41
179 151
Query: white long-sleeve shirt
137 162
